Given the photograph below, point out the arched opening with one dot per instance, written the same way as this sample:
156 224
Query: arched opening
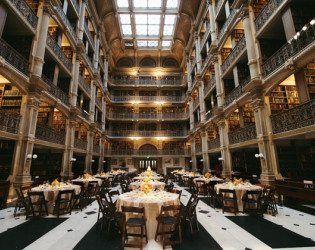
148 150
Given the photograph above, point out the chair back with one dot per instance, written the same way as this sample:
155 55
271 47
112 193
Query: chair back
138 210
174 209
227 191
111 194
176 191
65 193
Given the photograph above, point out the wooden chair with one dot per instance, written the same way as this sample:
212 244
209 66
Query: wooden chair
37 203
252 202
169 216
201 187
190 215
268 202
227 199
111 195
79 200
63 202
21 202
192 186
134 222
176 191
214 199
169 186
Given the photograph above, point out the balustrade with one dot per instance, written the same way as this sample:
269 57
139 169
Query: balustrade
266 12
96 149
227 23
148 152
80 144
87 59
9 122
242 135
84 85
215 143
147 115
67 22
300 116
56 91
76 6
204 63
196 103
152 82
13 57
147 133
209 86
98 102
218 6
237 92
51 135
87 30
289 50
52 44
205 35
198 148
147 98
26 11
239 47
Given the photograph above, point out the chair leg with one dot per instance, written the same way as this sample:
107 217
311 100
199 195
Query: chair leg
157 230
141 237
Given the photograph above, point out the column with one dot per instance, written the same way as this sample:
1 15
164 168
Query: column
92 102
269 166
188 72
102 155
88 157
75 80
250 45
191 113
212 21
219 82
205 155
66 167
198 55
21 163
225 152
96 53
202 103
103 113
106 70
41 41
81 21
193 154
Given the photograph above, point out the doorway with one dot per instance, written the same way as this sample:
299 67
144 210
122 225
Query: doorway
145 163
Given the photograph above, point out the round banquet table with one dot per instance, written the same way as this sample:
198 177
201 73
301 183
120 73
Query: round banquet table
152 178
152 203
51 193
208 180
87 181
155 184
240 191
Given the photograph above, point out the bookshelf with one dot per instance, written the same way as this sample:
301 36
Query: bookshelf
283 97
225 53
237 35
59 121
53 31
10 98
234 121
309 73
68 52
43 114
258 5
173 145
248 115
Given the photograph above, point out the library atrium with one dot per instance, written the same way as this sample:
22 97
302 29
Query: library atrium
96 94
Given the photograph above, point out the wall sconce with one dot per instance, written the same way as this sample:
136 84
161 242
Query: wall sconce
220 159
73 159
261 156
201 160
93 161
104 161
30 156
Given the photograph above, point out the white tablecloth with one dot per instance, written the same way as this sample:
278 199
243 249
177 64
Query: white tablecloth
86 181
155 184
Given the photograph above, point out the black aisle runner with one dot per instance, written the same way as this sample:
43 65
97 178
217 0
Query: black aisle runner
25 234
270 233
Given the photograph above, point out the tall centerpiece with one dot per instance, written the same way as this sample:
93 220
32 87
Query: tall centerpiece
86 176
146 187
208 175
237 182
55 183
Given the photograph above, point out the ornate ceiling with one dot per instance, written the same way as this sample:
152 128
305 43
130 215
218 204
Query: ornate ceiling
136 29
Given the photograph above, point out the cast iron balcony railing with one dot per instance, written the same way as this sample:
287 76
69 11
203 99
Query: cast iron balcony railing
147 98
56 91
242 135
80 144
67 22
205 62
51 135
87 59
98 102
147 115
84 85
218 6
147 133
205 35
26 11
226 24
76 6
9 121
215 143
58 52
193 63
209 86
13 57
300 116
266 12
237 92
87 30
198 148
209 114
96 149
152 82
148 152
239 47
196 103
101 62
289 50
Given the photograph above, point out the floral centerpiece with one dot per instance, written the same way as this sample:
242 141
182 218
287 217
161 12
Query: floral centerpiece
55 183
146 187
86 176
112 171
147 178
208 175
183 171
119 170
102 173
148 173
237 182
192 173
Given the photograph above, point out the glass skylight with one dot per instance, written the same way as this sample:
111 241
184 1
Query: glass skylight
172 4
122 3
146 22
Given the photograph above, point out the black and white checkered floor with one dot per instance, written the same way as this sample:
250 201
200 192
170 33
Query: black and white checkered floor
290 229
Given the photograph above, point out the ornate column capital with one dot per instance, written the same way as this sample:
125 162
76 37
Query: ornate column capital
258 104
244 13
